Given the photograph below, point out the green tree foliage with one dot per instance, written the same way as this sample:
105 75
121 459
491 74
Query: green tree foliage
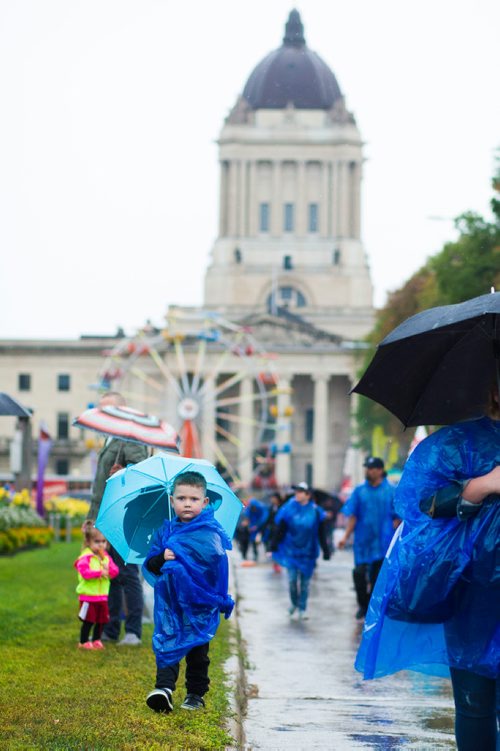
463 269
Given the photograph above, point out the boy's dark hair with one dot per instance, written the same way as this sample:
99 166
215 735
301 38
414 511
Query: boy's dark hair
195 479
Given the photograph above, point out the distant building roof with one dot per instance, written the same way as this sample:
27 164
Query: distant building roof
292 75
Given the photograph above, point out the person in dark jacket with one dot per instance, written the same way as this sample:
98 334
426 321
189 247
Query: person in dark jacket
115 455
300 532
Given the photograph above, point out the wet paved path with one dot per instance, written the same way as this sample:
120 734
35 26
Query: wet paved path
304 693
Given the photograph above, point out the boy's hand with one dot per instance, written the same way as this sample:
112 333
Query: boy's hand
169 555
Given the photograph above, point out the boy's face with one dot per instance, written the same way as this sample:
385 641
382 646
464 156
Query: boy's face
188 502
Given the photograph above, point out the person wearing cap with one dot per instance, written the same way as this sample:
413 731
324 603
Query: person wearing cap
371 518
300 531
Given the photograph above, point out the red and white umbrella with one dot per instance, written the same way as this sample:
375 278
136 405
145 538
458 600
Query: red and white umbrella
129 425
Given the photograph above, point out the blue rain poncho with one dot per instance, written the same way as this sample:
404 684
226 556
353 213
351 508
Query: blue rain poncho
257 514
300 546
191 591
436 602
374 512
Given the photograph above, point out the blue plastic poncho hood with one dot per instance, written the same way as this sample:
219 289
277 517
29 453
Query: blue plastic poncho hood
468 635
191 591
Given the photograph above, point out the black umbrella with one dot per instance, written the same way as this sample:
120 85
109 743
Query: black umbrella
10 406
438 366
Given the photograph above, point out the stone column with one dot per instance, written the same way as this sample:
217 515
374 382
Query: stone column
276 201
242 199
223 199
342 199
356 200
245 431
325 205
301 200
208 435
252 199
320 436
232 193
283 461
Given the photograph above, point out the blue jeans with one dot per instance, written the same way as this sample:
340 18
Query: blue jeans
299 588
477 705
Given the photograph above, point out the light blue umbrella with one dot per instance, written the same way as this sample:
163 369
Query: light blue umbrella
136 502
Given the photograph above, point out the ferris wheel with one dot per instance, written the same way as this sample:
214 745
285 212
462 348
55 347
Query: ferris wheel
210 378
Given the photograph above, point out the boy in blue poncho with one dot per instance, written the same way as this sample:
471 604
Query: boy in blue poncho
187 564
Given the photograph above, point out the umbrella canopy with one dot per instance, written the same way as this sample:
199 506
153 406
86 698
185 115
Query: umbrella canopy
136 502
129 425
10 406
438 366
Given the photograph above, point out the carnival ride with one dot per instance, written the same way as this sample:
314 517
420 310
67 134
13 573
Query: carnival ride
212 379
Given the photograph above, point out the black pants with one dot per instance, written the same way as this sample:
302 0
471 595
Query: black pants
477 704
126 585
365 574
86 629
197 680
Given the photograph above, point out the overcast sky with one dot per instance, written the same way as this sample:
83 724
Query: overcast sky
109 114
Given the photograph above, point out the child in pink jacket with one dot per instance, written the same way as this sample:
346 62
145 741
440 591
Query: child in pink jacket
95 570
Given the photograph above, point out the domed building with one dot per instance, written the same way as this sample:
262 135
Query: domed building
290 191
288 258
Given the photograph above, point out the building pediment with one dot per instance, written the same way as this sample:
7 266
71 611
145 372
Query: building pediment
286 329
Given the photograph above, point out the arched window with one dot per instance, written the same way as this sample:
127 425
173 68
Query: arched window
286 297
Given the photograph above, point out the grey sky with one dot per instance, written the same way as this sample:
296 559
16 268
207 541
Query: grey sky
111 108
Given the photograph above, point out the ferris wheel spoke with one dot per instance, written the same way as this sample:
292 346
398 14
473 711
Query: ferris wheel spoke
146 378
228 436
222 458
225 385
218 365
165 370
179 353
239 399
246 420
200 360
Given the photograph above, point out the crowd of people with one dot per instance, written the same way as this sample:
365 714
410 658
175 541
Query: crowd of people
425 569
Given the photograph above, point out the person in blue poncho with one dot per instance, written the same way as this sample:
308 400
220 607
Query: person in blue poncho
436 604
300 531
255 515
371 517
188 567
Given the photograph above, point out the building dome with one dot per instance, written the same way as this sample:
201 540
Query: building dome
292 75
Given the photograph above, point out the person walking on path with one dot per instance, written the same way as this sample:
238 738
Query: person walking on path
257 514
436 606
188 567
95 570
300 531
115 455
371 517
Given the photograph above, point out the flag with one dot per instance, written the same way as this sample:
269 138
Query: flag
44 447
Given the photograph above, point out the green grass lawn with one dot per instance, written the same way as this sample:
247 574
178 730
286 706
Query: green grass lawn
54 696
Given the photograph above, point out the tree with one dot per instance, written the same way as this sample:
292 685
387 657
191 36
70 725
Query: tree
463 269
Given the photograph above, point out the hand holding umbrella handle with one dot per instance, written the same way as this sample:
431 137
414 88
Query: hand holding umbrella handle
115 468
169 555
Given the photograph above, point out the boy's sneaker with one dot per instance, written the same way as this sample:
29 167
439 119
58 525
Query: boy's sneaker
97 644
130 640
193 701
86 645
160 700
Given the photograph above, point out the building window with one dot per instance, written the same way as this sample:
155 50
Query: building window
287 263
309 425
288 217
62 466
336 257
63 382
313 217
24 382
309 474
286 297
264 217
63 426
